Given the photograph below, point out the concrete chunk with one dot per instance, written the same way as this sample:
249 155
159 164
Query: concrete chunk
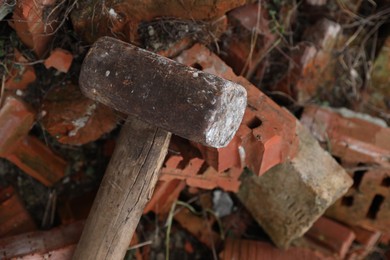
291 196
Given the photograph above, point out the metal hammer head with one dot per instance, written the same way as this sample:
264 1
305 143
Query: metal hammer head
190 103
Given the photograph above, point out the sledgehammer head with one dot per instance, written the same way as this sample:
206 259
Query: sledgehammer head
190 103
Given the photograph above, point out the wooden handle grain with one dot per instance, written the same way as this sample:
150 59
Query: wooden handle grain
127 186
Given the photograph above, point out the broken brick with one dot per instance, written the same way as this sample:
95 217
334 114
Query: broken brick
164 195
27 152
350 138
122 18
72 118
59 59
248 249
265 134
200 227
14 218
20 76
197 173
366 204
296 193
35 22
332 235
309 61
249 40
366 240
42 242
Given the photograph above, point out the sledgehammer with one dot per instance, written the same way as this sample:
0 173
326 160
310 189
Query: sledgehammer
160 96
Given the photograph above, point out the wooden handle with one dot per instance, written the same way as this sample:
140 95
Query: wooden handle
127 186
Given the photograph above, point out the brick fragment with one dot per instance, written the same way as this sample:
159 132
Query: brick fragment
256 250
19 76
366 239
199 174
296 193
59 59
122 18
35 22
39 243
14 218
352 139
309 61
249 40
27 152
265 136
74 119
198 226
332 235
164 195
366 204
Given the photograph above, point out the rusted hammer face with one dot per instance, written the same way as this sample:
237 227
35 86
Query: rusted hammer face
160 94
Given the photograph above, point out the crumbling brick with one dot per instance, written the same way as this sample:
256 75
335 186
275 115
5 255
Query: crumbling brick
249 39
122 18
35 23
72 118
332 235
265 137
59 59
197 173
366 204
248 249
27 152
14 218
352 139
296 193
309 61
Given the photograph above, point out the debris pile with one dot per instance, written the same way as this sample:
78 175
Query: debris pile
306 175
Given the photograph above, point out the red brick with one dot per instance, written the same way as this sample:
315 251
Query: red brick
198 226
256 250
332 235
164 195
249 39
33 25
59 59
366 240
41 242
351 139
27 152
198 174
14 218
266 132
20 76
73 119
122 20
309 61
367 203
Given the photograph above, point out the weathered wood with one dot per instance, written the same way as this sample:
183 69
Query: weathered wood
127 186
188 102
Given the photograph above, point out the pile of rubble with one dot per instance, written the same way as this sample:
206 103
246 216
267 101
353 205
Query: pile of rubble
300 179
